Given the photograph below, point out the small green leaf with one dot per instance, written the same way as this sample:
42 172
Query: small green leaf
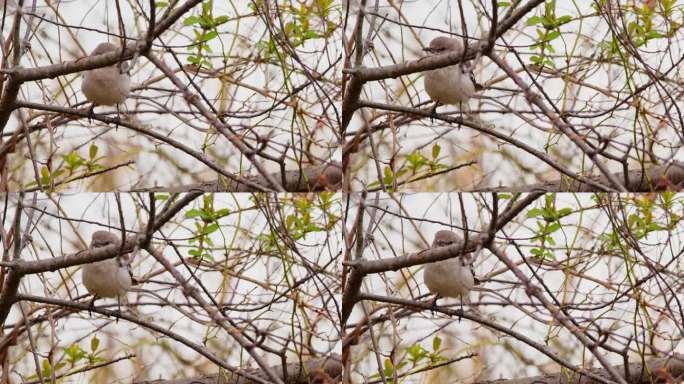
533 20
192 213
534 212
436 343
552 36
92 151
436 149
191 20
94 343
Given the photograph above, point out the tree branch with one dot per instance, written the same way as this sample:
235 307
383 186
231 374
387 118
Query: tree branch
297 373
638 373
324 177
655 178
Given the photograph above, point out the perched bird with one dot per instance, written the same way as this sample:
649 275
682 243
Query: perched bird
451 277
454 84
108 85
110 277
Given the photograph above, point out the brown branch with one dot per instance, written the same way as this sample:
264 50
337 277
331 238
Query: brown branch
656 178
638 374
324 177
560 316
217 317
296 373
442 253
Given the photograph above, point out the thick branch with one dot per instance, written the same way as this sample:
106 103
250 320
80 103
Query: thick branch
296 373
655 178
638 374
325 177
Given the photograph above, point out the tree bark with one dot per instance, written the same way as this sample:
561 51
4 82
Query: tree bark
296 373
656 178
324 177
666 370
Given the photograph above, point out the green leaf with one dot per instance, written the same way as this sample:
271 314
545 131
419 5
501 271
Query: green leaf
210 35
191 20
533 20
564 212
552 36
534 212
436 343
210 229
92 151
436 149
192 213
502 4
563 20
94 343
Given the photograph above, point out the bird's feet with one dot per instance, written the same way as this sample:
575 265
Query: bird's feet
91 306
433 112
91 113
433 304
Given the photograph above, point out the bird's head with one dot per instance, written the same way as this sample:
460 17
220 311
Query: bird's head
444 238
103 239
104 48
443 44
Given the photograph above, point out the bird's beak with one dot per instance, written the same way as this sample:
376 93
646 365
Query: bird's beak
427 49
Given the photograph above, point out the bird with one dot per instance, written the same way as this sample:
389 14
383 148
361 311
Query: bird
454 84
107 278
452 277
108 85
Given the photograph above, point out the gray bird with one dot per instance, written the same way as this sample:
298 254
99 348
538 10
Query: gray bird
452 277
453 84
108 85
107 278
